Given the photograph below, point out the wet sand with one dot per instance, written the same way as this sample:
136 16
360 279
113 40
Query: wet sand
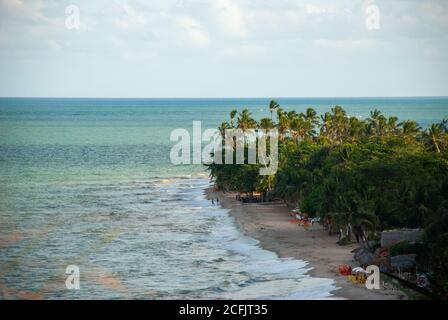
270 223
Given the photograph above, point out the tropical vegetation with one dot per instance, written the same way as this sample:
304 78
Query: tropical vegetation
365 175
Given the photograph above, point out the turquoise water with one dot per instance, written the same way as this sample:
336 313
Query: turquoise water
89 182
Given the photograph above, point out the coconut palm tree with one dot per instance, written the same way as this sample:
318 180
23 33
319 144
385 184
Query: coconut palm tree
409 128
296 127
377 123
356 129
245 120
339 124
273 105
392 127
435 135
233 113
266 124
311 116
223 127
283 122
325 128
310 121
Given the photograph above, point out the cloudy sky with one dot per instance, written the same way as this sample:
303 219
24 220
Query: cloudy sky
224 48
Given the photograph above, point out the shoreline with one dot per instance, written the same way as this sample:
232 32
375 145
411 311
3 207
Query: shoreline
270 224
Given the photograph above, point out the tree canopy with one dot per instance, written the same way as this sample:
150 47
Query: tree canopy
375 174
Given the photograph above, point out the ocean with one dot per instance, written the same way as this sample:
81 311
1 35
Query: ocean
88 182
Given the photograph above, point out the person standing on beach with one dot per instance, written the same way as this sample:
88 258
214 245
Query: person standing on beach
213 201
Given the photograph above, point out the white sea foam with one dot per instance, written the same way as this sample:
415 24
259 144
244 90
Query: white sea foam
167 239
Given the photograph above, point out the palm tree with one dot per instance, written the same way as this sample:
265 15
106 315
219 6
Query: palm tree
339 123
356 129
409 128
245 120
309 122
273 105
296 127
326 125
392 127
353 215
376 123
266 124
435 134
222 128
292 114
311 116
283 122
233 113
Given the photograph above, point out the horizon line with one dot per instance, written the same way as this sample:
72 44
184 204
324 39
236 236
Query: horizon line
228 97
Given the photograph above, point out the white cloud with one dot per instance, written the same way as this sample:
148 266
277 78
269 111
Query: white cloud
193 31
245 50
32 10
12 5
230 17
281 36
130 18
435 11
318 9
343 44
54 45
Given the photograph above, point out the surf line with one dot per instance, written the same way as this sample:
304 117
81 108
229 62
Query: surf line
190 310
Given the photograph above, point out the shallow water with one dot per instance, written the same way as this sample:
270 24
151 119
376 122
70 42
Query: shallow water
88 182
164 241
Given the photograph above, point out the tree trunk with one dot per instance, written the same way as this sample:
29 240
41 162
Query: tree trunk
434 141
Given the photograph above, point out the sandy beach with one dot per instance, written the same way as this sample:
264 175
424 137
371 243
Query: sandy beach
271 224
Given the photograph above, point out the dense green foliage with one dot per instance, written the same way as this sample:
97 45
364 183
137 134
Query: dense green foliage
367 175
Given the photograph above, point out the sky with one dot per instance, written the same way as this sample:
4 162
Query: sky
223 48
